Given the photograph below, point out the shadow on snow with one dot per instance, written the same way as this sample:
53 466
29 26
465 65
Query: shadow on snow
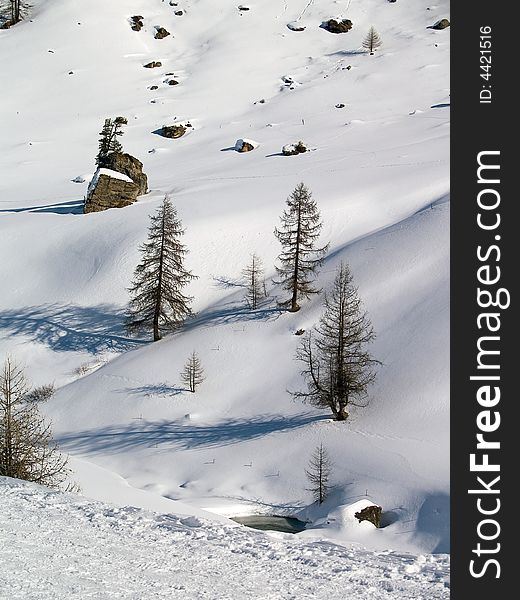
180 434
70 328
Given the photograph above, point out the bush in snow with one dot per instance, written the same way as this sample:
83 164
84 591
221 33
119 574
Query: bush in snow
41 393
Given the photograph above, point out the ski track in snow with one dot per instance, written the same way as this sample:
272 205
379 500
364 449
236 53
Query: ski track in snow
56 546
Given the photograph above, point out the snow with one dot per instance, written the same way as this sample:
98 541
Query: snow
379 171
72 548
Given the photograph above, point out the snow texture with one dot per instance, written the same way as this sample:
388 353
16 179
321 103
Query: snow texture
379 172
69 547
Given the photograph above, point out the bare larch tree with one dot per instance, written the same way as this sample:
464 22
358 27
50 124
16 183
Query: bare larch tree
338 368
27 449
372 40
299 231
318 473
253 275
193 373
157 301
108 142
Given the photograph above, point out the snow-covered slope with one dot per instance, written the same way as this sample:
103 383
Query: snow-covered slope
68 547
378 168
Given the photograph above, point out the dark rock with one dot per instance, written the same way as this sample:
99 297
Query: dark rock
178 13
340 105
137 22
442 24
370 513
152 65
245 145
173 131
295 26
160 33
173 82
106 192
335 26
154 87
299 332
130 166
242 7
293 149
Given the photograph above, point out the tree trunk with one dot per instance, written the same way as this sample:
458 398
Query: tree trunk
158 302
294 299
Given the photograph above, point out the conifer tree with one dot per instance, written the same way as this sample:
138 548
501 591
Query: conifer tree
338 368
299 260
157 300
108 142
27 449
372 40
318 473
254 277
193 373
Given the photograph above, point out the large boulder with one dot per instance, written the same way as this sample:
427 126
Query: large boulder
172 131
370 513
160 33
109 189
337 25
442 24
245 145
130 166
293 149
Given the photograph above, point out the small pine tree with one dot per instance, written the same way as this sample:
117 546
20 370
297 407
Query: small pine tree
299 259
318 473
157 301
338 368
255 284
372 40
27 449
108 142
193 373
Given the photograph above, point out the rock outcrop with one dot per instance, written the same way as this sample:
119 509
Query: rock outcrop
442 24
109 189
172 131
337 26
160 33
136 22
293 149
130 166
245 145
153 65
370 513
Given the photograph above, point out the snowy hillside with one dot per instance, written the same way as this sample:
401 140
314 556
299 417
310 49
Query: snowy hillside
106 552
378 169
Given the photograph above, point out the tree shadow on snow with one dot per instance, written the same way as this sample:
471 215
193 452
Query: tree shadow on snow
70 328
231 313
154 389
71 207
180 435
